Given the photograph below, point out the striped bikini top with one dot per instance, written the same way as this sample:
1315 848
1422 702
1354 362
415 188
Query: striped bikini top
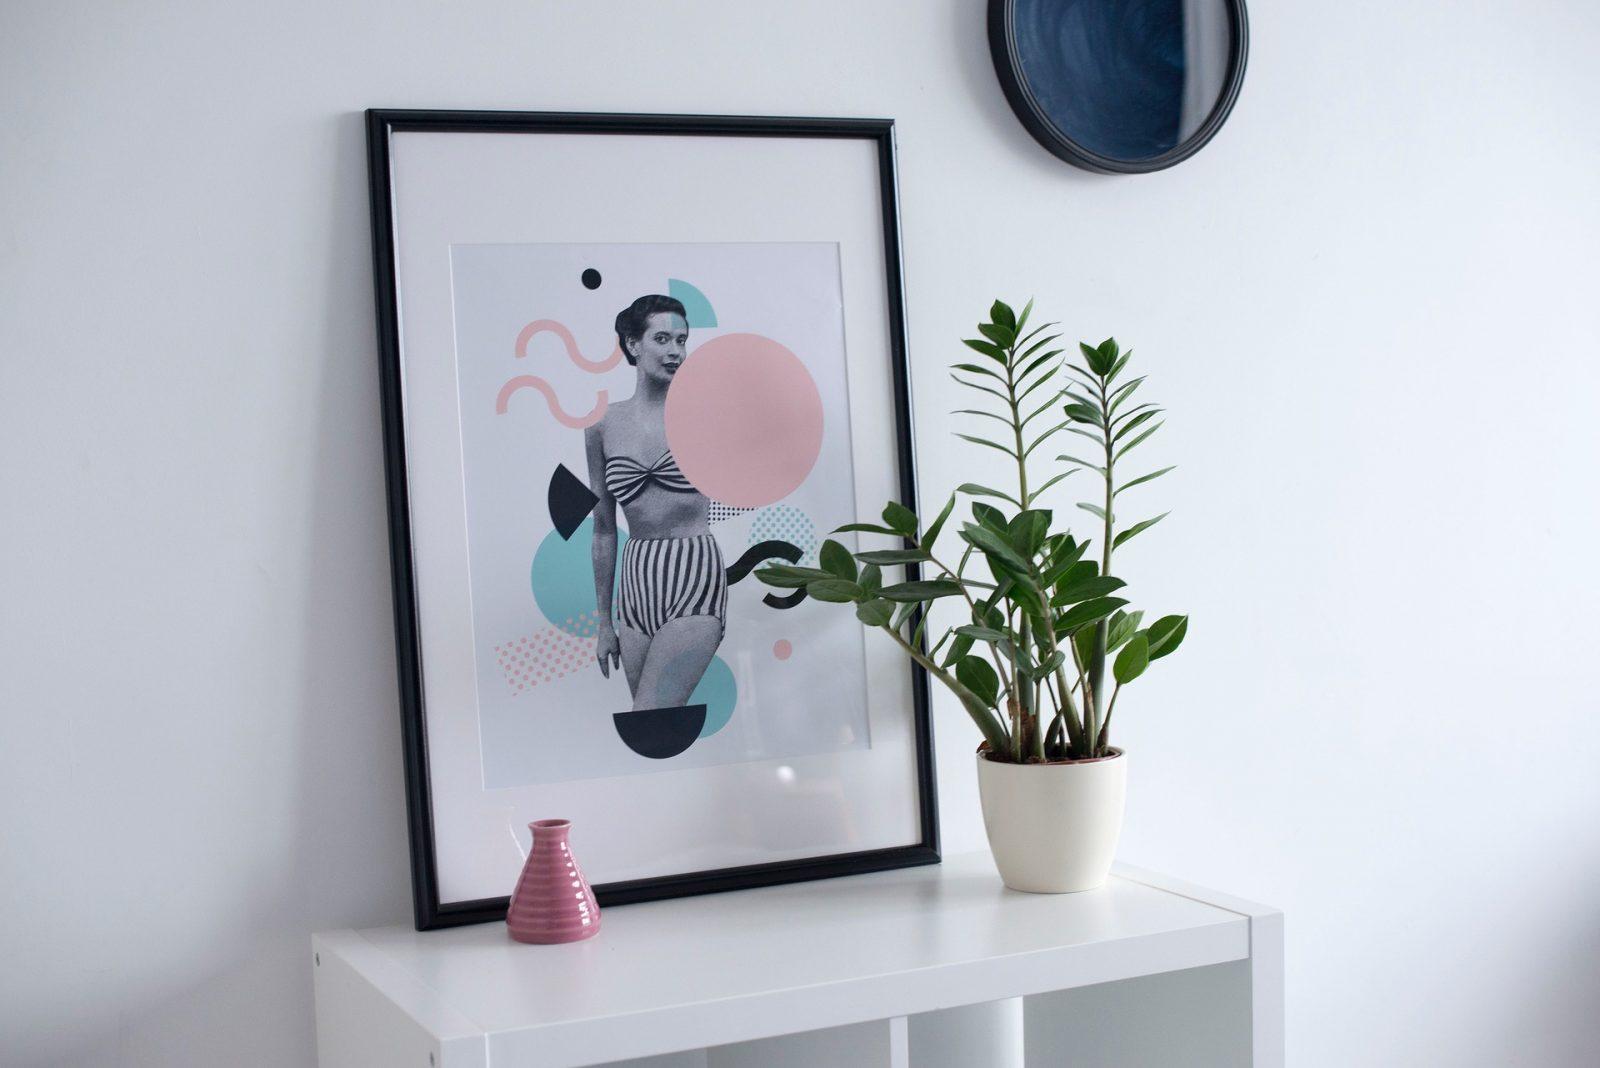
626 477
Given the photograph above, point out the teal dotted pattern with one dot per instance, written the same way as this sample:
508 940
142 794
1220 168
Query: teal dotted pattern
783 522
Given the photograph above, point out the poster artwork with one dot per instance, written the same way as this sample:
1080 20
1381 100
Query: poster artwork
643 426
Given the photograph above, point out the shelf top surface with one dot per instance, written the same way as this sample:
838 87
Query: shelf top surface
948 933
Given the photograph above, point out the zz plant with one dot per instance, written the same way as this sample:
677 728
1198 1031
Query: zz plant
1039 621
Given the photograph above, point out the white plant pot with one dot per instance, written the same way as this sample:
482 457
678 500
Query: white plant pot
1053 828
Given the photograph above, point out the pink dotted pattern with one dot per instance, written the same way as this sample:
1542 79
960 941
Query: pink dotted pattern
550 654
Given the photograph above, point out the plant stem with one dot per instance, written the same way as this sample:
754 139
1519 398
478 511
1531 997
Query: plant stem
1027 693
1097 659
1105 728
988 723
972 612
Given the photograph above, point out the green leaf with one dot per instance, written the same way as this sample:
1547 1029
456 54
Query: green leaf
1088 378
1091 356
1052 481
875 613
981 388
1148 431
1042 438
871 579
1132 661
1042 380
835 590
1032 351
892 556
931 535
1065 565
984 491
1027 310
1027 531
1097 586
1088 612
836 560
1093 509
1122 626
993 546
976 369
1083 463
1166 634
921 590
985 441
1037 363
1080 571
900 518
1116 368
1083 413
789 578
958 649
1000 312
1136 528
1096 438
868 528
1123 392
986 415
902 614
1132 422
1051 662
1083 645
1001 334
1076 397
1143 478
1045 405
989 516
982 634
987 348
975 673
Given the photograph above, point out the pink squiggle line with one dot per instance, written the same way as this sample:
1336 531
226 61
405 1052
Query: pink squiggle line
539 326
574 422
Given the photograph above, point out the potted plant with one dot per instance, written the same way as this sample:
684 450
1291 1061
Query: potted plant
1042 645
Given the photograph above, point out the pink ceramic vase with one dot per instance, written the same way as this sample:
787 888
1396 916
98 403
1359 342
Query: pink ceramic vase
552 902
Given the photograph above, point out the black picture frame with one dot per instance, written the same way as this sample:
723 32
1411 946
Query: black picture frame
1034 118
429 911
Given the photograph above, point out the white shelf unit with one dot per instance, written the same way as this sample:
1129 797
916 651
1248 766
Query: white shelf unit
928 967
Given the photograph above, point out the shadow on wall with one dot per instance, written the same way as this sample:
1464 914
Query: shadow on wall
335 854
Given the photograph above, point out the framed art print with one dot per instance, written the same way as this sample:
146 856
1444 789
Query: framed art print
625 361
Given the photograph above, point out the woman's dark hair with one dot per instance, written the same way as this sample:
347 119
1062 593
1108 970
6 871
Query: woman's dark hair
632 320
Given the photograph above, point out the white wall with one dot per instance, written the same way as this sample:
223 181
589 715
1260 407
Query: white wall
1370 303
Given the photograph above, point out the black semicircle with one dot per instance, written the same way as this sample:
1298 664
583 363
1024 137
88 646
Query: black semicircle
659 733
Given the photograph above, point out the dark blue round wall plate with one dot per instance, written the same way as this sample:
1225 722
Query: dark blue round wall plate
1120 86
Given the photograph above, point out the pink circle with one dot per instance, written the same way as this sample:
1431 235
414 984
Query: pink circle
744 420
782 649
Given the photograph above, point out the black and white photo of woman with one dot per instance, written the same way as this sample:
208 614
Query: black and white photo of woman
672 597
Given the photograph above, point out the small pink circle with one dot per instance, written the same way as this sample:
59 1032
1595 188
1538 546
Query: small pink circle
782 649
744 420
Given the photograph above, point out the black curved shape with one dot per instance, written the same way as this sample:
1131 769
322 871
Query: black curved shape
659 733
760 553
571 500
1101 83
772 600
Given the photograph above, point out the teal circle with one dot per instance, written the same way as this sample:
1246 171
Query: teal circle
562 577
695 305
719 693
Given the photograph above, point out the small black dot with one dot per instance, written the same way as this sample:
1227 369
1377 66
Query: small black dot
591 279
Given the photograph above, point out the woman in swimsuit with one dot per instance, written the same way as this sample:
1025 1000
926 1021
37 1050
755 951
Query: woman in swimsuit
673 594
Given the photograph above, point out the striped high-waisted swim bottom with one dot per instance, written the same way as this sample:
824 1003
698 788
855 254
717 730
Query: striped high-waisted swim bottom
669 578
